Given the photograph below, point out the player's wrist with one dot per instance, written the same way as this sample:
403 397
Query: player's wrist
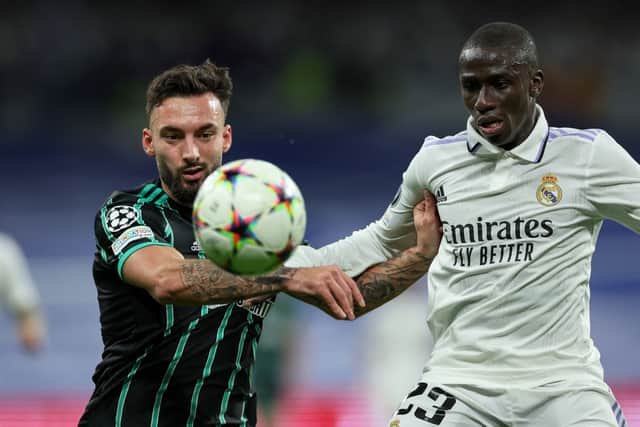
281 279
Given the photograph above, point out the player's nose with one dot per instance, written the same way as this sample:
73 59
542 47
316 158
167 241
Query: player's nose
484 101
190 149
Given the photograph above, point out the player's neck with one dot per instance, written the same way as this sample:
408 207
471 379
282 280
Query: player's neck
522 138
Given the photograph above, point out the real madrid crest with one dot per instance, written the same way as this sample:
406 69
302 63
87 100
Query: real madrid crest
549 192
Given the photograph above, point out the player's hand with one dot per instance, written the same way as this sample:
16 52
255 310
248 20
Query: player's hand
328 288
428 226
31 330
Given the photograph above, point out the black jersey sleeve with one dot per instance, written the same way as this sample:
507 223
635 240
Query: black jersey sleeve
126 223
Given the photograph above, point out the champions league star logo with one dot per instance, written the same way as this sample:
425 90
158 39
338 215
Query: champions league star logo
120 217
549 192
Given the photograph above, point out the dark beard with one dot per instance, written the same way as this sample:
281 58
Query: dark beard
181 192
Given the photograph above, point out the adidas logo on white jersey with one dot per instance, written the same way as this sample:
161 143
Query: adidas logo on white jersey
440 196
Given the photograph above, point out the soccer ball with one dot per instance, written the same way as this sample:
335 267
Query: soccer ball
248 216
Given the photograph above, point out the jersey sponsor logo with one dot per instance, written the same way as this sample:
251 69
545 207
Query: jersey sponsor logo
549 192
261 309
485 231
131 235
500 241
120 217
440 196
195 246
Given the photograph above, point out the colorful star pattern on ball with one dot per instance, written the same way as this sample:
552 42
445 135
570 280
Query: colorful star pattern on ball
198 222
248 217
285 198
283 254
240 230
232 174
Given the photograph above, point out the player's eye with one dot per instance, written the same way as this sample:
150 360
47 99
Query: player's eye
501 83
470 85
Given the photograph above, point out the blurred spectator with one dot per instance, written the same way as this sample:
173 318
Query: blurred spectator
20 295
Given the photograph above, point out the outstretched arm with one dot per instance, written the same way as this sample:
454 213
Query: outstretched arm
387 280
171 279
383 282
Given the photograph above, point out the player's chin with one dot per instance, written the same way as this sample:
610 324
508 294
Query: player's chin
190 186
186 195
499 139
193 182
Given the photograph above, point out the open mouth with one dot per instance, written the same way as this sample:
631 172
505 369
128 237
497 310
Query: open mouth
193 174
490 127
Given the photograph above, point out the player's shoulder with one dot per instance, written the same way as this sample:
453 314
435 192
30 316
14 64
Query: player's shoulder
574 135
132 202
7 243
146 193
126 207
445 143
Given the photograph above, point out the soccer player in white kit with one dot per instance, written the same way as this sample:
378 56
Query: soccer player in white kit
521 205
19 294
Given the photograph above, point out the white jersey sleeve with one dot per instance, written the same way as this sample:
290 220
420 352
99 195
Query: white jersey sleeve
613 185
379 241
16 285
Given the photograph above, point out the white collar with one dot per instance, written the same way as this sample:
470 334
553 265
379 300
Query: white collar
531 149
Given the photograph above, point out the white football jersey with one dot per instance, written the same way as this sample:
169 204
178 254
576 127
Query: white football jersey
508 292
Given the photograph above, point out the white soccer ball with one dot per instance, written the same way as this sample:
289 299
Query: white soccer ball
248 216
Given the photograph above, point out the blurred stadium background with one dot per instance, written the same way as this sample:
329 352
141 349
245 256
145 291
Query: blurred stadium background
340 96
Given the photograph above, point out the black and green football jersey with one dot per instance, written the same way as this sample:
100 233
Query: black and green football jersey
165 365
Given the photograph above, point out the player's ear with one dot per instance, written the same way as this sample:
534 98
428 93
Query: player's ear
537 83
147 142
226 138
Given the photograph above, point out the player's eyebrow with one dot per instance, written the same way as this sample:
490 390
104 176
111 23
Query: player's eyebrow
167 129
208 126
173 129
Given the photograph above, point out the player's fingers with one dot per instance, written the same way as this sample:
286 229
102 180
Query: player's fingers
341 291
430 207
352 288
333 306
342 295
429 199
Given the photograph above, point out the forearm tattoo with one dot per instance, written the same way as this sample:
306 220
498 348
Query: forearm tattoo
206 283
389 279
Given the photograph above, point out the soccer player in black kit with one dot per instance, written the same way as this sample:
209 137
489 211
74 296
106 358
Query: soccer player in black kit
179 344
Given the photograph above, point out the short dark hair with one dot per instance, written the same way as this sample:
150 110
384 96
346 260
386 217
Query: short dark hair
191 80
505 35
